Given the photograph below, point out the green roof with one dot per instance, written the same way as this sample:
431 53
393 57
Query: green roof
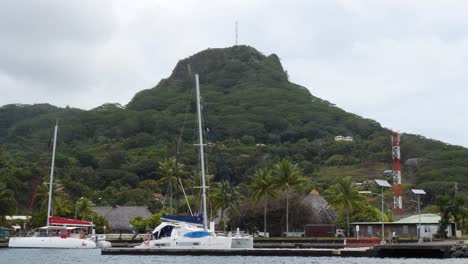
425 219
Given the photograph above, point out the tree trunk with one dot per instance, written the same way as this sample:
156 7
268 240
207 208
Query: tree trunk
287 214
177 197
170 199
347 222
264 218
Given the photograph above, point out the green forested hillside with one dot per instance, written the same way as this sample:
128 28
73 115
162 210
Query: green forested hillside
254 115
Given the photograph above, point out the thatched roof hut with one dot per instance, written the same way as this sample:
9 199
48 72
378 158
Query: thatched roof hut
316 209
119 216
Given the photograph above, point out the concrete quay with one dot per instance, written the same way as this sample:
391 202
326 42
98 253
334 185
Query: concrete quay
442 249
445 249
240 252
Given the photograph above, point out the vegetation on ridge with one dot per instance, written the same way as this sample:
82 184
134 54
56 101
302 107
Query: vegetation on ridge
255 117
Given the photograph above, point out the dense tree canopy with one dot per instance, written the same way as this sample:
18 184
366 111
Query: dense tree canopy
252 113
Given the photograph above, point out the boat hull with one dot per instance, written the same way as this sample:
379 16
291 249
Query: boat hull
242 242
50 242
211 242
103 244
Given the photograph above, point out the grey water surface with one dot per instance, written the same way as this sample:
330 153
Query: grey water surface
93 256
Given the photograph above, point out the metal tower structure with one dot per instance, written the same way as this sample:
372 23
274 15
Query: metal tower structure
237 34
396 173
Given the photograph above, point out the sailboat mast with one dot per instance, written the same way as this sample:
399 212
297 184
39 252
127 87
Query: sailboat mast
49 205
202 158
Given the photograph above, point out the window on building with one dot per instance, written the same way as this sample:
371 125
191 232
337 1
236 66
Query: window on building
405 229
369 230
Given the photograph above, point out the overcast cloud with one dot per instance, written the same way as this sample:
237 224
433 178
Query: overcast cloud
403 63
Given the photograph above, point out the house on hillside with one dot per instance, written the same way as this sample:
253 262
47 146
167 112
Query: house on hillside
388 173
343 138
405 227
339 138
119 216
159 197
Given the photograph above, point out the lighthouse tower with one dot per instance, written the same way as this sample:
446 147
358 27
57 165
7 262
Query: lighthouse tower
396 172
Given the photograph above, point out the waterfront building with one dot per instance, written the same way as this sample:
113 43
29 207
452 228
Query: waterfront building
405 227
119 216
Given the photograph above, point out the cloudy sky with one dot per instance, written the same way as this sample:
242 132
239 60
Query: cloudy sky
403 63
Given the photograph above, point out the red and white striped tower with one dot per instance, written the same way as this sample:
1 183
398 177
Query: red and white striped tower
396 168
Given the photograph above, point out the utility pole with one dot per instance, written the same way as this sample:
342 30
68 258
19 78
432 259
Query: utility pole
237 33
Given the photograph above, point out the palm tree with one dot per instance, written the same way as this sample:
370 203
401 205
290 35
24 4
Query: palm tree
7 203
213 196
345 197
61 205
169 173
451 207
60 202
287 176
262 187
84 208
219 200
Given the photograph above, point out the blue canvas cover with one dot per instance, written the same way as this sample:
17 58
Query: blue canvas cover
196 219
197 234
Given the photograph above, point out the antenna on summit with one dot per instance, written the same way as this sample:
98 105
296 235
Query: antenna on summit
237 34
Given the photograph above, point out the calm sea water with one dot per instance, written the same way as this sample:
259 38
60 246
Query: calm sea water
93 256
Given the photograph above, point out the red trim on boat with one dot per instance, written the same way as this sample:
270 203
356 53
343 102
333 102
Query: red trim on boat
55 220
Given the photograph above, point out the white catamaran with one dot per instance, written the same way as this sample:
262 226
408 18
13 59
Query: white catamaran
188 233
59 232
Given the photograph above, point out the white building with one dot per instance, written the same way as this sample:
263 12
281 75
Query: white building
339 138
342 138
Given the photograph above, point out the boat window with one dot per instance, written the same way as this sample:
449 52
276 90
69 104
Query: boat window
42 233
165 232
188 244
160 245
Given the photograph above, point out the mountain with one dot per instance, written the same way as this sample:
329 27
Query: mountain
254 115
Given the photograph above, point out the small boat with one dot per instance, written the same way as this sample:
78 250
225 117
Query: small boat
191 232
59 232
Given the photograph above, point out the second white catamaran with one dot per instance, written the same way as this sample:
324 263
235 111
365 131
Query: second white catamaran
191 232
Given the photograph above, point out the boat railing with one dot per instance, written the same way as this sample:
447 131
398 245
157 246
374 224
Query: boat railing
22 233
232 233
126 236
98 237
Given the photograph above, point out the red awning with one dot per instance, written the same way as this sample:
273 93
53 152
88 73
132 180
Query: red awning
55 220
